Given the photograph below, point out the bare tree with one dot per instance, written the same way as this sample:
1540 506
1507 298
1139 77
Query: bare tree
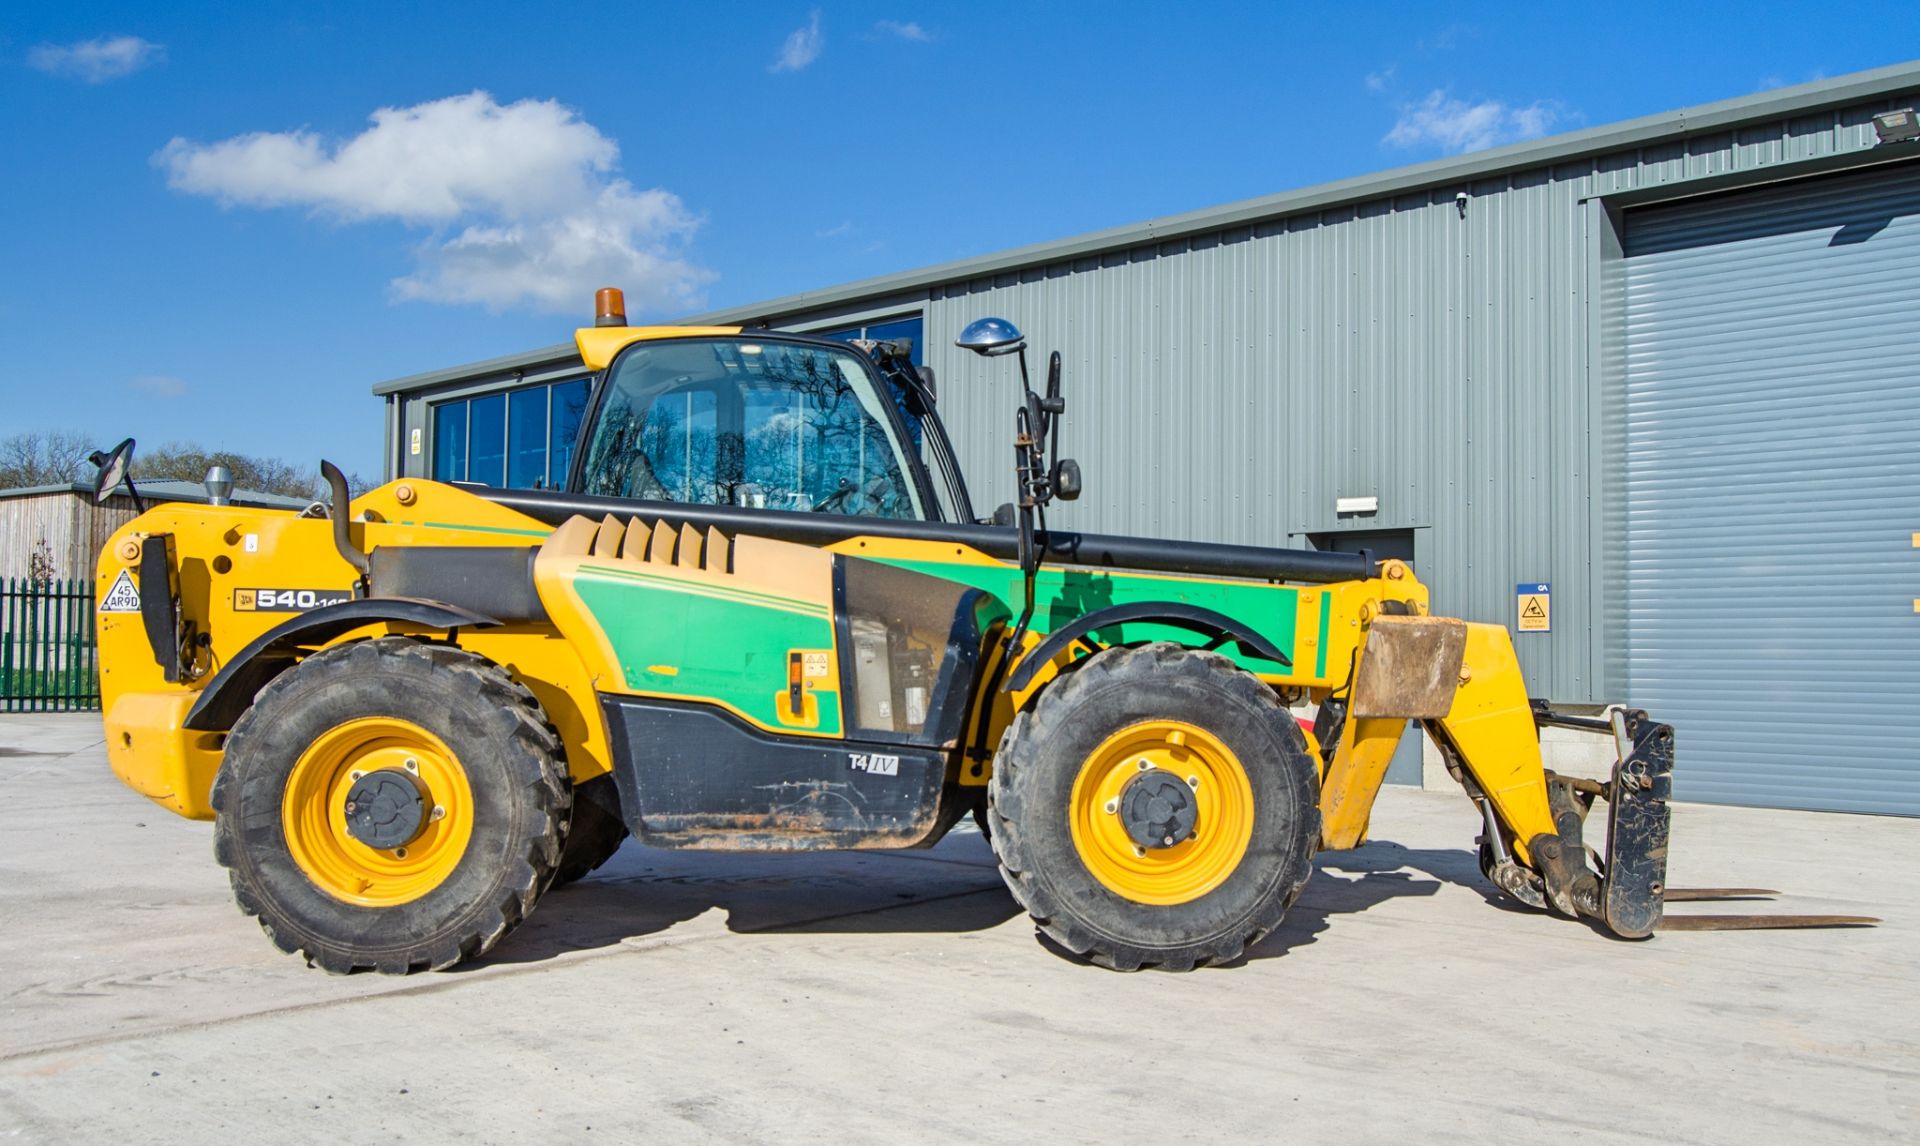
43 457
183 461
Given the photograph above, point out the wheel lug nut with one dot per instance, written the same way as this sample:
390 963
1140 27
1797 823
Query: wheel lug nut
412 764
1145 764
438 812
399 853
1113 807
355 774
352 807
1139 851
1168 841
1193 781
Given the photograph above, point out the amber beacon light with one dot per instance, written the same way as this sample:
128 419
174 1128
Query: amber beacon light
609 307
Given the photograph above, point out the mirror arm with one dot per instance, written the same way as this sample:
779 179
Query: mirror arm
1055 406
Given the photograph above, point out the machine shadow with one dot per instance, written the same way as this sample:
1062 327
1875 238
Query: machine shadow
641 891
951 888
1350 882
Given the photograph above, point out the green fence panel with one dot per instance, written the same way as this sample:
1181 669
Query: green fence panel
48 660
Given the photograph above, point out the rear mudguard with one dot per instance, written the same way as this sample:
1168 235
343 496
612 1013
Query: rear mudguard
232 689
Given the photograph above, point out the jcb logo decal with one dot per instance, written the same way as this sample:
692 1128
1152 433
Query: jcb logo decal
286 600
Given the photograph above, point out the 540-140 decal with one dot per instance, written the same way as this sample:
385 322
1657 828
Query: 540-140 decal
286 600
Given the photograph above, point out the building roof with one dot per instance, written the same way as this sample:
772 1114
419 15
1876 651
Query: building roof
167 489
1666 126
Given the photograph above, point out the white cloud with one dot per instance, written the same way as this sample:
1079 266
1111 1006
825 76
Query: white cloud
910 30
158 385
1380 80
542 214
97 61
802 46
1454 125
834 232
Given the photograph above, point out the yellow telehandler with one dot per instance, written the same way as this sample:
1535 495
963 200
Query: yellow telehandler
762 614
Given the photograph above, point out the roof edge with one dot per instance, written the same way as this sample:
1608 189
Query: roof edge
506 363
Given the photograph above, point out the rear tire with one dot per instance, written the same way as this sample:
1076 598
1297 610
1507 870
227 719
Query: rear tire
1198 730
493 794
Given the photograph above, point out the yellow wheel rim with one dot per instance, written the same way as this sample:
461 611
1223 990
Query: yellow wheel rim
313 813
1223 801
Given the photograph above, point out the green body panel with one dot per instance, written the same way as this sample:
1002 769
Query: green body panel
1062 594
729 645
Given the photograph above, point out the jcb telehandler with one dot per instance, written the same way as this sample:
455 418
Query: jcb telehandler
762 615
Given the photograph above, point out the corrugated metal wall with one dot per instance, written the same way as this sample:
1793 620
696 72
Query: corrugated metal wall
1773 490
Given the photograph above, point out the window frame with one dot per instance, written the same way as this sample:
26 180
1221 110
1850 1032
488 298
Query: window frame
549 478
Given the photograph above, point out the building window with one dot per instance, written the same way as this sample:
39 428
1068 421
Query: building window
520 439
909 327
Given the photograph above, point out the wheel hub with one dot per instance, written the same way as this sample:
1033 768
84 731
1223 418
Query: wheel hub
1158 810
385 809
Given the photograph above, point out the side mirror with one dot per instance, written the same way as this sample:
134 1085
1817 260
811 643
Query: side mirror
113 469
1066 479
991 337
926 379
1004 514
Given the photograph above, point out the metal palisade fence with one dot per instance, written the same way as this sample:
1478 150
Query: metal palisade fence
47 658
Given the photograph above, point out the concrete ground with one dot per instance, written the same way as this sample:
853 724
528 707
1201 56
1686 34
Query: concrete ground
873 998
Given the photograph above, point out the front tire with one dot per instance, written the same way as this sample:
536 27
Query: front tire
1156 807
390 805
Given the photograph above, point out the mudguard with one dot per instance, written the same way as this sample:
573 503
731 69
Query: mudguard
1219 627
232 689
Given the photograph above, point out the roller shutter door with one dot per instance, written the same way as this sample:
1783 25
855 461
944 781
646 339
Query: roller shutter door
1773 490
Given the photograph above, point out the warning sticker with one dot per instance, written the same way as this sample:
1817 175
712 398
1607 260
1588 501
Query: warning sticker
124 597
1535 607
815 664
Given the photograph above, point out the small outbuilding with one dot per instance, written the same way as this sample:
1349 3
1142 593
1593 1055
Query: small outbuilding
56 532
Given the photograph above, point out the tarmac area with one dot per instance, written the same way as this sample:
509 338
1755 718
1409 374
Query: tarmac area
884 997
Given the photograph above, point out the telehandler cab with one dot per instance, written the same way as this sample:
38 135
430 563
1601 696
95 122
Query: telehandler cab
756 618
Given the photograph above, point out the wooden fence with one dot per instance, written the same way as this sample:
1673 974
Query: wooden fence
47 658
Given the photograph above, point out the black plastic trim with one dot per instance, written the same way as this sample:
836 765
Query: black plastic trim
695 776
1197 558
492 581
232 689
160 604
1192 618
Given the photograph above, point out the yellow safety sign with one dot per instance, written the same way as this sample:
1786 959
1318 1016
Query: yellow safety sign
1536 607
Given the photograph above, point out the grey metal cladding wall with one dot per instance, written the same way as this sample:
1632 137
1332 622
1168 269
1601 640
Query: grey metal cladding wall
1231 385
1773 489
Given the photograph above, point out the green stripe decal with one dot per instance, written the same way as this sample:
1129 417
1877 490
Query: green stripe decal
1064 593
710 589
729 645
479 528
1326 624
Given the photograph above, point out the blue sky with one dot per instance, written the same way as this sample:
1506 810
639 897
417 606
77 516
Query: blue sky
226 224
